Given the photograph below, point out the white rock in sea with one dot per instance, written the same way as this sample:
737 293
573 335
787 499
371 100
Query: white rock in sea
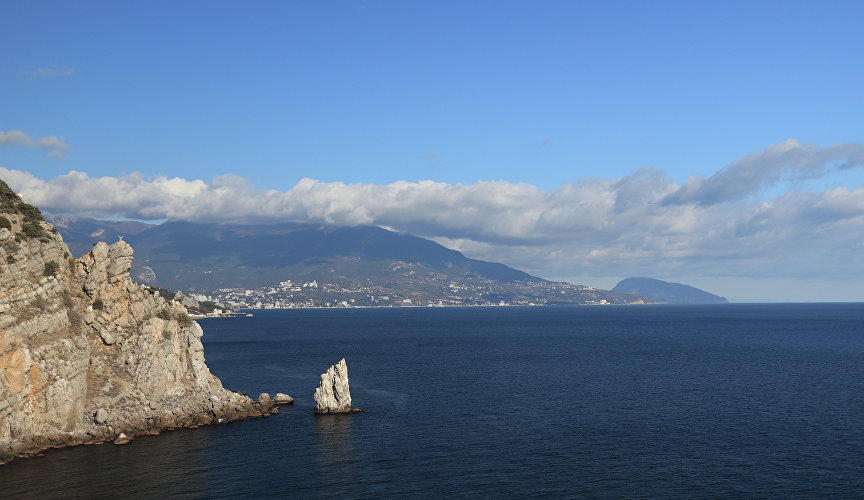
333 395
282 399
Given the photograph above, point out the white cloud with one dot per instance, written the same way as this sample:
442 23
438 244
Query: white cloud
51 70
789 159
18 138
643 224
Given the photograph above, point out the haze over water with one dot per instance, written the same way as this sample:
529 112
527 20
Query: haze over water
704 401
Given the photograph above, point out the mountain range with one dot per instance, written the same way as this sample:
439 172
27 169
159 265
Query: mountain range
360 264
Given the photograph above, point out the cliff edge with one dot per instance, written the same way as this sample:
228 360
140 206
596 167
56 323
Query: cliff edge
86 354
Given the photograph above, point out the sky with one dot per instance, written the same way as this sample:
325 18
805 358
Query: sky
717 144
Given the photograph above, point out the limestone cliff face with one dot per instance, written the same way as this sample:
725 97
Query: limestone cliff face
88 355
333 394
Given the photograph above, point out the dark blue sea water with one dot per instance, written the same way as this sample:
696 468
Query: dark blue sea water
656 401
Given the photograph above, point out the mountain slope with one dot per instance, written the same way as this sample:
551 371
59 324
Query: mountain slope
366 265
211 256
669 293
80 234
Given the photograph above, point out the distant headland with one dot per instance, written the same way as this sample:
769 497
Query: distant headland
667 293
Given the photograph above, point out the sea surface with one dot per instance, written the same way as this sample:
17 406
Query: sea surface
737 400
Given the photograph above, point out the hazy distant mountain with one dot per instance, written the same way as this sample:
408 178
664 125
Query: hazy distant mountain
669 293
361 262
80 234
209 256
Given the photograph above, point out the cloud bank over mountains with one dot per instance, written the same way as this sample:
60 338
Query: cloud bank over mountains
640 224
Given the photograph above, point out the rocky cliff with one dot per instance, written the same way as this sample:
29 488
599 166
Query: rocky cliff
86 354
333 394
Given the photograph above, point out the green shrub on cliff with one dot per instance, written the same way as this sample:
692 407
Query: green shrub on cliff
166 294
11 203
8 198
184 319
51 268
33 230
5 223
30 213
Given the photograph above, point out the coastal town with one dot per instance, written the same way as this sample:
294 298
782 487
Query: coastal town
469 292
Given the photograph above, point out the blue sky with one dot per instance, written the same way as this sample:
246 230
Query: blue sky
542 96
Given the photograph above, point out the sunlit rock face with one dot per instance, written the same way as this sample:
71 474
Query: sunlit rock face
86 354
333 395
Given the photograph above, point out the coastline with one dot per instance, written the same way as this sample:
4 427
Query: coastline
148 421
87 355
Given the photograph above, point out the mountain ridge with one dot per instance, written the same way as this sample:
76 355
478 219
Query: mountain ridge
361 265
666 292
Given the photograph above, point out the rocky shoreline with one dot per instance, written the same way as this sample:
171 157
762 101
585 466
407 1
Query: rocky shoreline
87 355
124 426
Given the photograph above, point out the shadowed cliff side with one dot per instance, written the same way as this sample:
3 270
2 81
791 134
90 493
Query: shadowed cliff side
88 355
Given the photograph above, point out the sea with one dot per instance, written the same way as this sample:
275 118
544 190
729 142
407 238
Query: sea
660 401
